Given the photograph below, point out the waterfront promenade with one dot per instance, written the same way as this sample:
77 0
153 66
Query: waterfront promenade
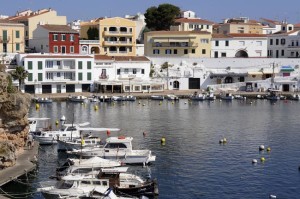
25 163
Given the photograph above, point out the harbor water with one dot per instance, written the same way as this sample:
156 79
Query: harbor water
192 163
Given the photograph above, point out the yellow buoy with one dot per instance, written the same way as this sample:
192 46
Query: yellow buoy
269 149
37 106
163 140
96 107
56 122
81 103
262 159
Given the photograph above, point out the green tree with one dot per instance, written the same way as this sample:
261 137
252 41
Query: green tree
19 74
93 33
161 17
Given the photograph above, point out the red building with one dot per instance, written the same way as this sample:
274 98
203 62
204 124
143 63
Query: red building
55 39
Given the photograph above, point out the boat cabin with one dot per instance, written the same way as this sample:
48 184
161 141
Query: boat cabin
120 142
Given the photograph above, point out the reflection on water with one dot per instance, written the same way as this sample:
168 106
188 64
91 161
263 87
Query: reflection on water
192 163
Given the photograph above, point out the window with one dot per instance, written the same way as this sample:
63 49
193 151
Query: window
204 41
186 51
55 49
17 46
17 34
130 49
155 51
71 37
223 54
79 64
191 26
282 41
282 52
130 29
277 41
290 28
79 76
226 43
29 63
118 71
217 43
89 65
134 71
49 75
57 74
71 49
143 71
30 77
207 26
242 43
168 51
55 37
203 51
193 51
126 70
63 37
89 76
42 47
40 65
271 41
40 77
175 51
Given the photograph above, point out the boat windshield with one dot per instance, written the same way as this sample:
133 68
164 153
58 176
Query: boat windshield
65 184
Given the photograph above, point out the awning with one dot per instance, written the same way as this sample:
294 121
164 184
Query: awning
255 73
269 71
286 69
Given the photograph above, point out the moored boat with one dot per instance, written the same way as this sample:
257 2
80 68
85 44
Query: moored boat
157 97
79 98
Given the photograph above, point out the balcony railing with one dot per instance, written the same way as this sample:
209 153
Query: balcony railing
4 39
294 46
117 43
117 33
89 42
176 45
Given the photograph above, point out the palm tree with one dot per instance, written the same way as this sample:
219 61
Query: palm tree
19 74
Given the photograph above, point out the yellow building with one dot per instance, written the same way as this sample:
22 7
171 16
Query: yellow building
31 19
117 36
239 25
11 37
178 44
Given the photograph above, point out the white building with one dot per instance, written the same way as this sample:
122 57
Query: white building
284 44
53 73
123 74
139 19
191 24
188 14
272 26
239 45
75 25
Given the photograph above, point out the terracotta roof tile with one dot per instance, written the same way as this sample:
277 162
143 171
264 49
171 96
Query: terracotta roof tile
200 21
271 21
163 32
59 28
57 56
237 35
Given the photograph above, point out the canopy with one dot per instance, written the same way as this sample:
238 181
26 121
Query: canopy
286 69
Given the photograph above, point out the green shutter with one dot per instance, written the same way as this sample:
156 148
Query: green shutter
80 65
40 65
4 35
30 77
79 76
17 46
40 77
29 63
17 34
89 65
89 76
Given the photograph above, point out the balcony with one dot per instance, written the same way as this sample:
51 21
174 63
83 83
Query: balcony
117 43
117 33
174 45
82 42
294 46
4 39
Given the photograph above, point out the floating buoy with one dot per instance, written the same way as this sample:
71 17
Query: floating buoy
220 100
269 149
108 132
224 140
250 102
81 103
139 102
254 161
63 118
185 103
37 106
261 147
163 140
95 107
221 141
144 133
56 122
272 196
262 159
123 103
172 102
144 104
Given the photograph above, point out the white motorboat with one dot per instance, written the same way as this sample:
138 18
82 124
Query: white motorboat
37 124
199 97
118 148
157 97
81 185
294 97
171 97
79 143
43 100
210 96
227 96
67 133
105 98
78 98
85 165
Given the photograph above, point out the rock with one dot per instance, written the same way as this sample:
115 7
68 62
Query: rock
7 154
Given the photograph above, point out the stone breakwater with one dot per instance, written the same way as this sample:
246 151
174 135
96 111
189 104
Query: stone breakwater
14 126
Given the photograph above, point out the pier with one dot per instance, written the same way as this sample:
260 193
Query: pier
25 163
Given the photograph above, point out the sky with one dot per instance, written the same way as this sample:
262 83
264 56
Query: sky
213 10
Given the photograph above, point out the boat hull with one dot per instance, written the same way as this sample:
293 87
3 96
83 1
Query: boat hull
150 188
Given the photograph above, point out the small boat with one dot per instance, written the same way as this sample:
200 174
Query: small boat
72 165
227 96
273 95
198 97
239 97
210 96
118 148
129 98
38 124
294 97
108 194
117 98
171 97
105 98
43 100
79 143
157 97
78 98
116 178
93 99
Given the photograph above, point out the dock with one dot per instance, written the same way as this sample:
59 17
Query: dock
24 164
